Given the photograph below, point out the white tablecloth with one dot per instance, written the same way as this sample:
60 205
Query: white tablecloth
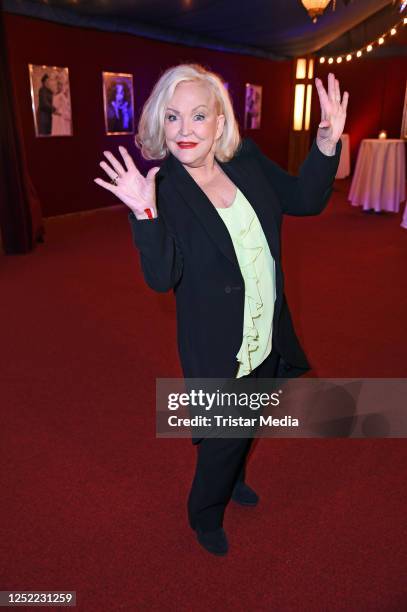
379 180
344 161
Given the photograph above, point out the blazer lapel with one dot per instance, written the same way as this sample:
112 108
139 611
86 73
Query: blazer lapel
257 191
197 199
250 184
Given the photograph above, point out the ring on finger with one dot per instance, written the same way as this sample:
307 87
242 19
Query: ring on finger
114 179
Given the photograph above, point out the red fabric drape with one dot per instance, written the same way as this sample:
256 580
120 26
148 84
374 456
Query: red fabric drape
20 210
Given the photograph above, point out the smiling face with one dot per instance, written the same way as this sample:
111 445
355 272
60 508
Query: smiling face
192 124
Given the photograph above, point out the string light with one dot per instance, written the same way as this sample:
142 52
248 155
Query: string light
368 48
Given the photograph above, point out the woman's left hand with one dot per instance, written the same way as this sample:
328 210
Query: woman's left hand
333 111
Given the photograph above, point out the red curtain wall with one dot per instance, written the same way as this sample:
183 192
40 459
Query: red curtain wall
62 169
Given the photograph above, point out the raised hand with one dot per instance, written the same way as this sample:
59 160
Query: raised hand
333 111
129 185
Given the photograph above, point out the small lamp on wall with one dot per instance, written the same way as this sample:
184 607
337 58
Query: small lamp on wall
304 72
303 75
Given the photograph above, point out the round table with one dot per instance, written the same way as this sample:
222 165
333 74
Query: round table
379 180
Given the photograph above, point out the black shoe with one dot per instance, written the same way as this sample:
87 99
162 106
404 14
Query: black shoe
214 542
244 495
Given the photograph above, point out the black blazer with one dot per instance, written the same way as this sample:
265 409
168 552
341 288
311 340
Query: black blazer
188 248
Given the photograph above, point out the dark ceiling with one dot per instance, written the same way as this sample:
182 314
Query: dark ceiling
277 29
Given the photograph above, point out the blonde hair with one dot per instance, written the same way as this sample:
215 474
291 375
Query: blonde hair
150 137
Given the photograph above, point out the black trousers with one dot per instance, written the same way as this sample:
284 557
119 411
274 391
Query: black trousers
220 463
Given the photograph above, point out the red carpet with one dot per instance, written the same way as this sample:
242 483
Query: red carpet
91 501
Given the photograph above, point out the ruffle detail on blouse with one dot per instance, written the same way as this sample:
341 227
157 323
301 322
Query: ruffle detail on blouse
250 245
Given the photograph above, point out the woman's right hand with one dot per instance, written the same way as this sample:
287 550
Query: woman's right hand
131 187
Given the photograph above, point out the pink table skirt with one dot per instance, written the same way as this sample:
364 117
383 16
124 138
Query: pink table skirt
379 180
344 160
404 221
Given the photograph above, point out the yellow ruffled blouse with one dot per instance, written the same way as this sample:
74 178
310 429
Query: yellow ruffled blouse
258 270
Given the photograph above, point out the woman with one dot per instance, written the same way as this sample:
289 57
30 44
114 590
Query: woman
61 121
118 110
184 218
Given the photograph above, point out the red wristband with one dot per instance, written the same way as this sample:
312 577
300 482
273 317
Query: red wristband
148 213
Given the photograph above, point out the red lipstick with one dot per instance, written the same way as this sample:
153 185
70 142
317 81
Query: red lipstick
186 145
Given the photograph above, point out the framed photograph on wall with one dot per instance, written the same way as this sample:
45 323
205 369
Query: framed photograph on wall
51 100
252 110
118 103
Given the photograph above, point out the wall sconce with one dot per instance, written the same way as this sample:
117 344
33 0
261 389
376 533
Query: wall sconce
304 72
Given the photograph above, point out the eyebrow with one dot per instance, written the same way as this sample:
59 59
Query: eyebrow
175 111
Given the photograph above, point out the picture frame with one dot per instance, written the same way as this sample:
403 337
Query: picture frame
118 102
50 100
253 103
